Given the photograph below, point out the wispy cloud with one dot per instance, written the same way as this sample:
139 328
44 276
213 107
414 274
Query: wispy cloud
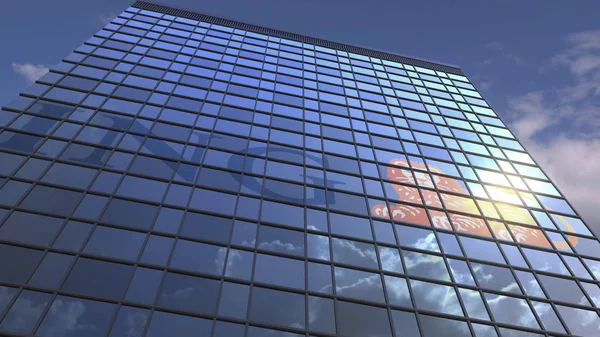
518 60
500 49
495 45
560 126
30 71
485 85
106 18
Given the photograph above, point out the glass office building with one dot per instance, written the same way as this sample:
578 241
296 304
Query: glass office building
184 175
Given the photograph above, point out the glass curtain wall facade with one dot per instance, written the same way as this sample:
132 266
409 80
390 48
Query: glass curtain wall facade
184 175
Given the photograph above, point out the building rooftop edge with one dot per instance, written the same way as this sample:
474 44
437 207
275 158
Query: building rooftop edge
151 6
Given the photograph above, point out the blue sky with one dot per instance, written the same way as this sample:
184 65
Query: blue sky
537 62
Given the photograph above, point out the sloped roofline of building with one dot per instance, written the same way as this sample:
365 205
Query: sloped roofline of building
156 7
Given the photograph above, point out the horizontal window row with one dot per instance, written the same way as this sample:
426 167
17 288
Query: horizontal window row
94 318
207 296
169 169
320 192
104 137
250 77
204 67
311 94
392 166
169 51
91 207
454 99
128 245
425 130
233 120
288 45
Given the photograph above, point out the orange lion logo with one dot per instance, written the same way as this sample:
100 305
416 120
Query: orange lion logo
458 222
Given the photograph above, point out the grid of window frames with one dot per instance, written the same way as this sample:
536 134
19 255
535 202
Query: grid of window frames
176 177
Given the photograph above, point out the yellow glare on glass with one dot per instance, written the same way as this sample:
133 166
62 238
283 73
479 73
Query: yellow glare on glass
530 200
492 177
542 187
517 182
506 167
488 209
460 204
515 214
504 195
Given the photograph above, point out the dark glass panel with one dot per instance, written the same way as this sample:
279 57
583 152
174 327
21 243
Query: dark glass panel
85 318
17 263
30 228
189 293
357 320
130 322
98 278
25 312
277 307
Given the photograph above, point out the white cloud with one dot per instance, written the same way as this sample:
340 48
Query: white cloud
518 60
499 49
495 45
106 18
485 85
30 71
559 126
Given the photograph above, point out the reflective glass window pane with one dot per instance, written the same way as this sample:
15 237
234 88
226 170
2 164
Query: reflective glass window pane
319 278
6 296
30 228
417 238
116 243
198 257
564 290
277 307
437 326
234 300
511 310
354 253
397 291
318 247
226 329
579 321
144 285
321 317
496 278
436 297
279 271
51 270
73 235
473 303
281 240
548 317
405 324
98 278
189 293
239 264
358 284
390 259
358 320
207 227
130 322
25 312
425 265
167 324
483 250
17 263
86 317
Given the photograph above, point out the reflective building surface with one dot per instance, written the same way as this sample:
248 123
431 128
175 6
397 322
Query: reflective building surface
184 175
